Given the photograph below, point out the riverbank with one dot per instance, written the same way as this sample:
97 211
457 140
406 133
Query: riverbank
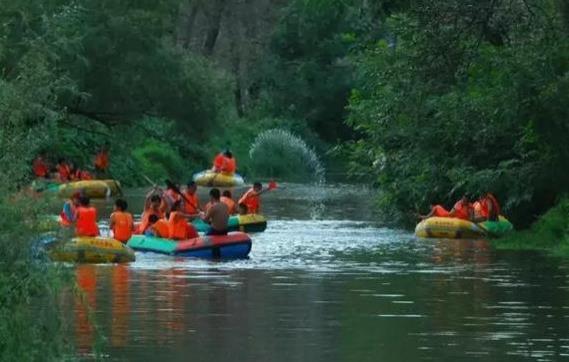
550 233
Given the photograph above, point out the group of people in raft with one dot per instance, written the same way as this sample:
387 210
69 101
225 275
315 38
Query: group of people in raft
486 208
167 213
66 171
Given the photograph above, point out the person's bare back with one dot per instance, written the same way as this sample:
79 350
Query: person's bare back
218 216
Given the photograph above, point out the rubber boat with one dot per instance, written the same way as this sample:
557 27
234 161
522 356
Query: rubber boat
230 246
90 250
209 178
453 228
250 223
95 189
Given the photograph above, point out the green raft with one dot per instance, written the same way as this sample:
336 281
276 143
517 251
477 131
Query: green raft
250 223
498 228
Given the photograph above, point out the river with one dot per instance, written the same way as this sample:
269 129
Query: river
327 283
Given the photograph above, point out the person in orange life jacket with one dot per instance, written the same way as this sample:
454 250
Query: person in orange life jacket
102 160
157 227
190 201
40 167
63 171
153 205
462 209
86 219
229 165
171 196
252 198
224 162
179 228
229 202
217 215
486 208
121 222
67 215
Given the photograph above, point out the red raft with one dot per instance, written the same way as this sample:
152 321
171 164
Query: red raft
230 246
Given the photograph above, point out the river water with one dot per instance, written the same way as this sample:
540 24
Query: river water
326 283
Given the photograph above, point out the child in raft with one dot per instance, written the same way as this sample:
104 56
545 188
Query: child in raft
121 222
86 219
157 227
179 227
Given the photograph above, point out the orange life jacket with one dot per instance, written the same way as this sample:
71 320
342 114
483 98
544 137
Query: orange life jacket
102 160
64 172
229 165
218 162
191 207
161 229
252 201
144 220
40 168
462 210
122 228
229 203
179 228
86 224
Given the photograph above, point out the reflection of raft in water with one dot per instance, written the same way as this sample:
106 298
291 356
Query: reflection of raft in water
250 223
90 250
209 178
453 228
96 189
230 246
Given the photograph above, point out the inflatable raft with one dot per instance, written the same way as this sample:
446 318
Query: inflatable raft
251 223
453 228
209 178
230 246
96 189
90 250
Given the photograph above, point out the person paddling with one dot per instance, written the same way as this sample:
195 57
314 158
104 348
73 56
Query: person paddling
152 206
86 218
190 201
252 200
121 222
486 208
217 215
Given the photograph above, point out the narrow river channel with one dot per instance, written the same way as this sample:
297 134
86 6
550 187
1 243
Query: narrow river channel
325 282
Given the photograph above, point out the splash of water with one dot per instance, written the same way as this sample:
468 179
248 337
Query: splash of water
287 142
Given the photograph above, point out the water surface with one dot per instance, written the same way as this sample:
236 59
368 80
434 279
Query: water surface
327 283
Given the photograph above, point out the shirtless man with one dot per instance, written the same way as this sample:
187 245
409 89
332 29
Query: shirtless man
217 215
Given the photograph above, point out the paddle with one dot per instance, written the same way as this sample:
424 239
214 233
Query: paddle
175 188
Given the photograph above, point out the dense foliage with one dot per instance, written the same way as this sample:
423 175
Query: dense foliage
471 97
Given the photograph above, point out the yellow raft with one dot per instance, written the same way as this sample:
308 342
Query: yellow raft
97 189
91 250
209 178
453 228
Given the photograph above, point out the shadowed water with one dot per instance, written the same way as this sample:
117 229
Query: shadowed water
335 288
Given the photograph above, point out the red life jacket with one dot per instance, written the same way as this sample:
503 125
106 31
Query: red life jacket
229 166
229 203
64 172
86 224
40 168
191 207
462 210
102 160
218 162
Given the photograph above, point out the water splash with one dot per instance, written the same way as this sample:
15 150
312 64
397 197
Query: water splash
284 142
275 142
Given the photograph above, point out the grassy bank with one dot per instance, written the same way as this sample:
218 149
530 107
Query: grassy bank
549 233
